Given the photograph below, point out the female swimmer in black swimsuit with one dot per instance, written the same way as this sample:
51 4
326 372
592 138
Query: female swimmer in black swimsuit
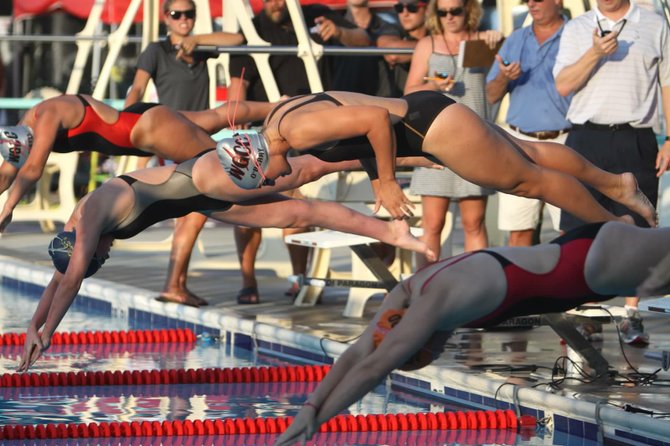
341 125
481 288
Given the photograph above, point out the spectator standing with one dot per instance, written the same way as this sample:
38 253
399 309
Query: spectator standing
182 83
365 74
536 110
412 19
450 22
180 75
614 58
273 24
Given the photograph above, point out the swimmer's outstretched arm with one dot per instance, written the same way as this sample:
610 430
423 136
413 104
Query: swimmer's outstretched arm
44 132
7 174
61 290
305 169
220 117
304 130
362 367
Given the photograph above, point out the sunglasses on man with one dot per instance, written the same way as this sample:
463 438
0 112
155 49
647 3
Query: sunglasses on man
176 15
410 7
455 12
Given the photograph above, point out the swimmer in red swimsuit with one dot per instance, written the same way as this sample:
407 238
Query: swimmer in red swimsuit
478 289
81 123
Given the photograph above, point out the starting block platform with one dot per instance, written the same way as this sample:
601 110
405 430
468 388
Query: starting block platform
366 266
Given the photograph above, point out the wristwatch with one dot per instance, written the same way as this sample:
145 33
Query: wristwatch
667 137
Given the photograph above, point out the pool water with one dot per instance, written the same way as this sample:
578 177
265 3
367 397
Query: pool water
86 404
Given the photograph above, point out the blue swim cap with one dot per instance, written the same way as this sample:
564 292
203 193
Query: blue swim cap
60 249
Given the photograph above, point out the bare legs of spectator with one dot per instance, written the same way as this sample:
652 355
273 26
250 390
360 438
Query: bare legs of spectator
185 235
248 240
473 210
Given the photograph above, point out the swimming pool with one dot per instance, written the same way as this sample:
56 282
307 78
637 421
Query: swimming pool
42 405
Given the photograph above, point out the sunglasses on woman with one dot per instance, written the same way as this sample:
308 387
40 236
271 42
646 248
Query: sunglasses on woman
455 12
176 15
410 7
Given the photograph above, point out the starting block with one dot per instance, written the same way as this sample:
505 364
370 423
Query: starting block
368 272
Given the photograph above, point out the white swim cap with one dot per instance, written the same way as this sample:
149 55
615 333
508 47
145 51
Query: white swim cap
244 154
15 144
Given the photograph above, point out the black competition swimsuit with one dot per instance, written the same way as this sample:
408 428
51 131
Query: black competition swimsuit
174 198
422 109
95 135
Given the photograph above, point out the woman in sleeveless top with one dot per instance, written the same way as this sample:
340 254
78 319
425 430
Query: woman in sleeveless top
435 67
415 319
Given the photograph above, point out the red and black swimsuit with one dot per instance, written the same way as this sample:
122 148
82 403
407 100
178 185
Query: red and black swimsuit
562 288
95 135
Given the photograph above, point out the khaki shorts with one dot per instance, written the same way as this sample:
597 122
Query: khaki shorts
520 213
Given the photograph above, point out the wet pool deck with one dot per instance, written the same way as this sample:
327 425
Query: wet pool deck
522 356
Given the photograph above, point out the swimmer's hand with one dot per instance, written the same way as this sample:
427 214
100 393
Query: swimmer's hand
389 195
32 349
301 429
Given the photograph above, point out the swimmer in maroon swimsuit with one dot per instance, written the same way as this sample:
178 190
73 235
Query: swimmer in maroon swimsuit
478 289
427 124
81 123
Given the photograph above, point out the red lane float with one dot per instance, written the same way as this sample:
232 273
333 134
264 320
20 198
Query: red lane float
108 337
299 373
467 421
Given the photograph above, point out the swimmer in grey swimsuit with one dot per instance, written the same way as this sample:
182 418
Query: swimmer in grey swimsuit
174 198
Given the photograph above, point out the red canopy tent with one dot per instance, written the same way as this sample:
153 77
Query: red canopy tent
113 12
115 9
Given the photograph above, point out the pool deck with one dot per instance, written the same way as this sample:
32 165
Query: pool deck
507 356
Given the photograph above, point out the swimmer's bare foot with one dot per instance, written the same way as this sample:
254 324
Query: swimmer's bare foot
634 199
184 298
628 219
399 235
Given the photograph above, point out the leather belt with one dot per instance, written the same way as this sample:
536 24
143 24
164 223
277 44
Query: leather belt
604 127
543 135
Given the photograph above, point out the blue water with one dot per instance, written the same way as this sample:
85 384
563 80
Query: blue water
87 404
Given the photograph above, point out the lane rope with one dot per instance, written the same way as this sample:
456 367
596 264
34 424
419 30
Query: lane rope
108 337
297 373
469 420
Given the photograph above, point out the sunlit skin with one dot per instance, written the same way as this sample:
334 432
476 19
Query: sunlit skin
439 299
484 154
103 210
160 131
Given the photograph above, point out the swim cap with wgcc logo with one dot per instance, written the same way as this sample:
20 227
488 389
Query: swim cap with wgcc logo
244 155
15 144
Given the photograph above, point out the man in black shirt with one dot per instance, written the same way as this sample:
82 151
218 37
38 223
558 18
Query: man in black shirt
273 24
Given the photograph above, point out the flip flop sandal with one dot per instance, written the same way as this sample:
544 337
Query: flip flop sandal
248 296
